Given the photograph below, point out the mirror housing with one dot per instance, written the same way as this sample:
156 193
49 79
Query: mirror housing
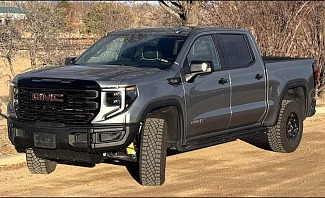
198 68
70 60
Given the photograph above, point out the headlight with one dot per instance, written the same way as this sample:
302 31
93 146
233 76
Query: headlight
131 93
118 98
13 99
116 101
113 98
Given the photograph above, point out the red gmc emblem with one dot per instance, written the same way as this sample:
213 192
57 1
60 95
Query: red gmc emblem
48 97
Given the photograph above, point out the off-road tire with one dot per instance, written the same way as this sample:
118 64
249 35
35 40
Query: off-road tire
280 140
38 165
152 158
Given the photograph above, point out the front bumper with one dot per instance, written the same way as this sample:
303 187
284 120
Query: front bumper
83 139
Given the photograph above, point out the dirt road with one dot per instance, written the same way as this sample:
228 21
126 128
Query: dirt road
232 169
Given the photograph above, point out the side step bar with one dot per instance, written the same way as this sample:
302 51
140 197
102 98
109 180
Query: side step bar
217 138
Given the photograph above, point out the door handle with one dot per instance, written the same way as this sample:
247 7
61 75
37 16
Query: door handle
259 76
223 81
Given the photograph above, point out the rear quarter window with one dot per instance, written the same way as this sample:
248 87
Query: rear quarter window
236 50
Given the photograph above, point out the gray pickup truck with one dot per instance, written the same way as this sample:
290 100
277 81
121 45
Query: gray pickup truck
136 93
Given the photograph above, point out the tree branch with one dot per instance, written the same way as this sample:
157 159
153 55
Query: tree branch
289 22
176 4
169 9
3 115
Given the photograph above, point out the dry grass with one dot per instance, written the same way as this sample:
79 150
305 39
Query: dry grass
13 166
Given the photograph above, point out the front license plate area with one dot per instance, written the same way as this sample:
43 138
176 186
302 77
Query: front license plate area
44 140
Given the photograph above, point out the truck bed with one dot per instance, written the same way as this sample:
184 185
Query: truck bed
273 59
285 73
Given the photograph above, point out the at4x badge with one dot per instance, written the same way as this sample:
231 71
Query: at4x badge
198 121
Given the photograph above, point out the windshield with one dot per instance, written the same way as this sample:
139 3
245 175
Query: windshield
136 49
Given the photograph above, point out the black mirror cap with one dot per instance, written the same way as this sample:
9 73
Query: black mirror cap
70 60
200 66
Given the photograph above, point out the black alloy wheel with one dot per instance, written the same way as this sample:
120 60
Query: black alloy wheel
292 127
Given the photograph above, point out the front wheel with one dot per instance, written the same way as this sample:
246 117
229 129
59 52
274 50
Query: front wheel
285 136
38 165
152 158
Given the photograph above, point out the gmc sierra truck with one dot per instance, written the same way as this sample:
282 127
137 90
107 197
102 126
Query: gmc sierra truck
136 93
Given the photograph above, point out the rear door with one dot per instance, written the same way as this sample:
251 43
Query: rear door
248 95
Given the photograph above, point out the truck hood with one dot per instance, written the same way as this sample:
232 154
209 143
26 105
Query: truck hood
115 73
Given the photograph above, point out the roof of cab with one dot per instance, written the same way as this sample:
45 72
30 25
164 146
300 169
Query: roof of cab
175 30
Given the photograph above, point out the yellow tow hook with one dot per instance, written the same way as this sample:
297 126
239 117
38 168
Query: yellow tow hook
131 151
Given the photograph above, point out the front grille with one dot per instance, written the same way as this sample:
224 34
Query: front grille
78 106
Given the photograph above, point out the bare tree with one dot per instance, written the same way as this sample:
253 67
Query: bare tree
10 37
149 15
45 23
187 12
281 28
104 17
9 45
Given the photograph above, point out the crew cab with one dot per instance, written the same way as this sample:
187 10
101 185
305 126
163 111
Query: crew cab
136 93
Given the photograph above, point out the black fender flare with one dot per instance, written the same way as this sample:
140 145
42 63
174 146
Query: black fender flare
166 103
290 85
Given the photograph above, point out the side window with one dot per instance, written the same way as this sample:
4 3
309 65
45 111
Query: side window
203 49
236 50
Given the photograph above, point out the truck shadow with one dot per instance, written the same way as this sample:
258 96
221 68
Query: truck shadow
74 163
133 167
258 139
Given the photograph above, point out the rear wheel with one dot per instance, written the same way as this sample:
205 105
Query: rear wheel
38 165
152 158
285 136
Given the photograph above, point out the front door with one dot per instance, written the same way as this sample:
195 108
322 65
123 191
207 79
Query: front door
208 96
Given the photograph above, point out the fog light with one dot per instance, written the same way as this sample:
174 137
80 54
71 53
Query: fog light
108 137
19 132
81 137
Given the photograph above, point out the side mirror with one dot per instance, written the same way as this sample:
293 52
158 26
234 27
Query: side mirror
70 60
198 68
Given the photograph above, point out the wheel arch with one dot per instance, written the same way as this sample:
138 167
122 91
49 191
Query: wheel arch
170 110
294 90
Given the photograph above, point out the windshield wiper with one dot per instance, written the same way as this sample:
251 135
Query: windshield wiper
124 64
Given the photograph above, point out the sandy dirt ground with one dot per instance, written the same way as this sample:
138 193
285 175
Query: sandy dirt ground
236 168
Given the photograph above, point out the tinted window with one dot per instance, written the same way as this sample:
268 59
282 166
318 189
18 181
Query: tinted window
202 50
235 50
